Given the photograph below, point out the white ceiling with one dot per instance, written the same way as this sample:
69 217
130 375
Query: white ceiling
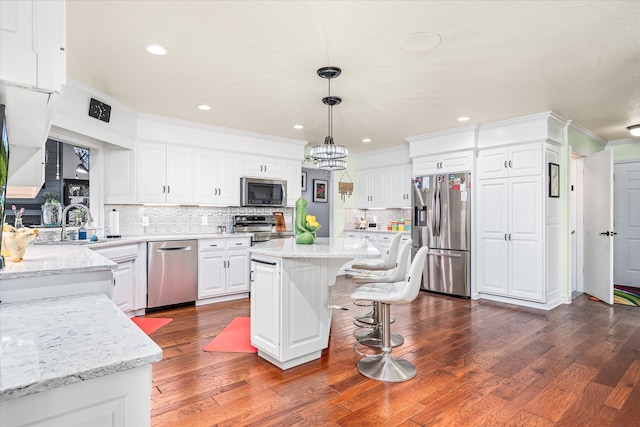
255 63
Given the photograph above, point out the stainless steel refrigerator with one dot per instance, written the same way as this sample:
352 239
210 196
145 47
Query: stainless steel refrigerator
442 221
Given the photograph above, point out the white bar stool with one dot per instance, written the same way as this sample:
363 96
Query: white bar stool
373 269
383 366
373 337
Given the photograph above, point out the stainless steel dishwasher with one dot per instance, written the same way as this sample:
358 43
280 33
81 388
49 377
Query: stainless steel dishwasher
172 272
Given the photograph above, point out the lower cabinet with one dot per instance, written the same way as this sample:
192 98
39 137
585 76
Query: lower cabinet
129 278
120 399
265 305
223 267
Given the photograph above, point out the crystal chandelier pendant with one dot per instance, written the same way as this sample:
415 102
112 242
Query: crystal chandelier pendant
328 154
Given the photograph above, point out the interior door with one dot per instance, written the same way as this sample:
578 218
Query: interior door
627 221
598 225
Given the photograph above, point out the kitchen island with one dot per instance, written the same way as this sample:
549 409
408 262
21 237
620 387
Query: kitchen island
291 295
74 360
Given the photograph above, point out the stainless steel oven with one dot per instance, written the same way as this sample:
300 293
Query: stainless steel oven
261 226
263 192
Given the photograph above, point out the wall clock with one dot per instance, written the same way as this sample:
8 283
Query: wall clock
99 110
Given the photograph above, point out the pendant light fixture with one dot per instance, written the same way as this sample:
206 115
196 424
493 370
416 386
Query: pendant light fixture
328 156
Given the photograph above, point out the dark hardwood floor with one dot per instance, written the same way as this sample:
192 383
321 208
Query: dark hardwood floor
479 363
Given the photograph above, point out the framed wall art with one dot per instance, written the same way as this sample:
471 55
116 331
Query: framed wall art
320 190
554 180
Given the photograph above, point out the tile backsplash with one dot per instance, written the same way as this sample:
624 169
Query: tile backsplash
183 219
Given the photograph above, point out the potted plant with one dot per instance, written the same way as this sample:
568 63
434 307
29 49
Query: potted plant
51 210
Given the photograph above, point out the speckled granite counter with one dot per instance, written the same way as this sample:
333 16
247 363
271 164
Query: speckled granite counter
324 247
54 342
106 242
47 260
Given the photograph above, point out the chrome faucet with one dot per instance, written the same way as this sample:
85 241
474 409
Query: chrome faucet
63 235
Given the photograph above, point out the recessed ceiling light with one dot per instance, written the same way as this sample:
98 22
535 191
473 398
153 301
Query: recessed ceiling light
298 127
635 130
464 119
420 42
204 107
366 140
156 49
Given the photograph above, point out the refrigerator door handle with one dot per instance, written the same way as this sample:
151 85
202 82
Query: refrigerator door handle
436 211
439 213
444 255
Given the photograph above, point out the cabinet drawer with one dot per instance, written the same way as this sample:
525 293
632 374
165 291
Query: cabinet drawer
238 243
211 245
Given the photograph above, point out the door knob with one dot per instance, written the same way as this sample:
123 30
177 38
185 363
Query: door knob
608 233
605 233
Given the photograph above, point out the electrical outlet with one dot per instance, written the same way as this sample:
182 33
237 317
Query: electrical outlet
145 221
204 220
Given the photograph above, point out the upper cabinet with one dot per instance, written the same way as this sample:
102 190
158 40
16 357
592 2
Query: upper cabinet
217 180
519 160
261 167
370 188
383 179
460 161
165 173
120 176
32 44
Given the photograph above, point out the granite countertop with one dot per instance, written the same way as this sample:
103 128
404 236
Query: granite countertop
54 342
324 247
367 230
104 242
47 260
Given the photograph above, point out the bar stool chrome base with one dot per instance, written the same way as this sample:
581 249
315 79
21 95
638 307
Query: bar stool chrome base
387 368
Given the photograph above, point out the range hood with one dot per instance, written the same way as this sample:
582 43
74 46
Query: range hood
28 114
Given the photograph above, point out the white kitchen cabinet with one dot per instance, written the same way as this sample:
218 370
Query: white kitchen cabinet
217 178
261 167
398 186
223 267
119 399
459 161
294 181
120 176
32 44
387 187
165 173
370 188
126 280
510 244
266 317
516 160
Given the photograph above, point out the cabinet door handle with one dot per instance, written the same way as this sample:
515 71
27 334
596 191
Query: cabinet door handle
251 276
505 237
505 164
509 236
168 189
510 165
239 244
164 189
265 168
263 262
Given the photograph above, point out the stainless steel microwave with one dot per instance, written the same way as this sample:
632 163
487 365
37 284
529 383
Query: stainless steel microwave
263 192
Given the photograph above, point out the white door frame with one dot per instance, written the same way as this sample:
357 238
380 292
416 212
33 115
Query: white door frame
577 162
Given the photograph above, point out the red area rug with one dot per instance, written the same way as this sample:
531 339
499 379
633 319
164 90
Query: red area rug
150 324
235 338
